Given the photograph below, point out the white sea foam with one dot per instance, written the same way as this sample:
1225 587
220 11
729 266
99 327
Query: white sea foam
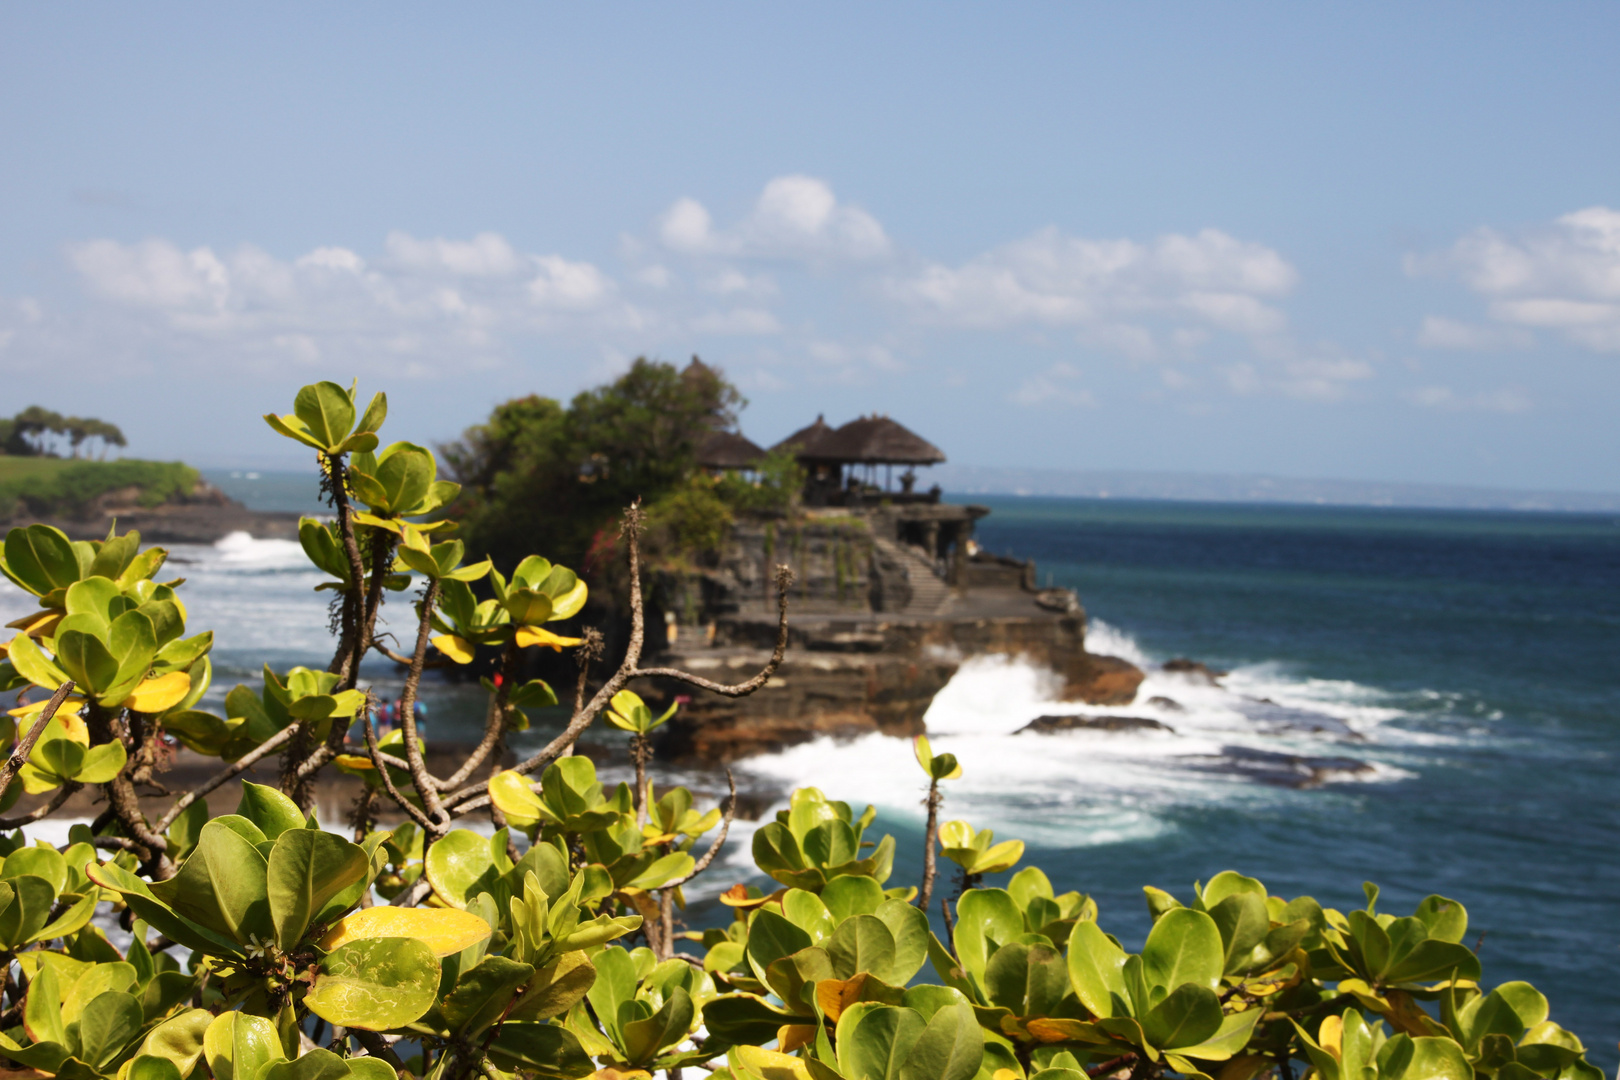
1246 741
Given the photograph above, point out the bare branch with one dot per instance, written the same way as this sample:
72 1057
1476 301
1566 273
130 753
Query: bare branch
403 803
240 766
784 579
62 795
930 834
425 783
583 717
19 756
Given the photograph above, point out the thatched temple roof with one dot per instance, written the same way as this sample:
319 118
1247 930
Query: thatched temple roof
728 450
872 440
802 440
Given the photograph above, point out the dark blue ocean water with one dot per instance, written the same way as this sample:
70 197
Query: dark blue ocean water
1496 634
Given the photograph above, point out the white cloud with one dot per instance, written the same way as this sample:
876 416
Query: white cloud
1056 386
1563 277
795 217
422 298
485 255
1506 400
1116 289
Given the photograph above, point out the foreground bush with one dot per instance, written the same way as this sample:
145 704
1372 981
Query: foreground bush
436 950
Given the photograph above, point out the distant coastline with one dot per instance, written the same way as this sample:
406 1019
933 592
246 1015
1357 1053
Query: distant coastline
965 480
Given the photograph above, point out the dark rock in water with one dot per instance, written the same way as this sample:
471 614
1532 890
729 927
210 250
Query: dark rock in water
1100 680
1050 725
1193 671
1280 770
1275 719
1167 704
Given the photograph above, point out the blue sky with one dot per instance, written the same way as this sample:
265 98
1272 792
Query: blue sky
1364 241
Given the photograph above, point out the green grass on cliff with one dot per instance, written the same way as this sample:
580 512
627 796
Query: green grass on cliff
58 487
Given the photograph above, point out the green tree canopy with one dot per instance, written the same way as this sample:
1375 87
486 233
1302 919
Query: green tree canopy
538 473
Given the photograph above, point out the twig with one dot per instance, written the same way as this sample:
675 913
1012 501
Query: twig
950 923
19 755
494 722
1111 1065
62 795
784 579
425 784
929 836
429 825
240 766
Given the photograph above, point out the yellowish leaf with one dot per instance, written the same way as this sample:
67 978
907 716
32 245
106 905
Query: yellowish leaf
34 708
535 635
352 761
510 792
772 1064
159 694
444 930
456 648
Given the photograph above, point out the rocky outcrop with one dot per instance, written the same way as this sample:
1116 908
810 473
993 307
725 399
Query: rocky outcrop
204 516
851 675
1193 671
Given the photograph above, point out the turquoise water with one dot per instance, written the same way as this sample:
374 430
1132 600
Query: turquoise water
1450 677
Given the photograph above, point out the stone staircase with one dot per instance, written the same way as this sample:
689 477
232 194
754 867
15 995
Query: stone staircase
929 593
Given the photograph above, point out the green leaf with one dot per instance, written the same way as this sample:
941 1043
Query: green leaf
950 1048
846 896
42 1009
179 1039
1095 970
375 984
644 1038
1189 1015
460 866
107 1026
116 975
985 920
771 937
269 809
327 411
1184 946
317 1064
46 863
31 901
1243 924
909 928
150 1067
483 994
547 1050
862 943
307 868
40 558
873 1040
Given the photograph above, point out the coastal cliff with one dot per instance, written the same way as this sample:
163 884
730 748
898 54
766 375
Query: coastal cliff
876 630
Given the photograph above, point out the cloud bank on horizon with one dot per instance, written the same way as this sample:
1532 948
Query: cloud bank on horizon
1205 312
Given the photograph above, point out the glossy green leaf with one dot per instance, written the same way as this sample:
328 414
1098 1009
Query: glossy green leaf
269 809
951 1047
375 984
307 868
316 1064
1184 946
239 1044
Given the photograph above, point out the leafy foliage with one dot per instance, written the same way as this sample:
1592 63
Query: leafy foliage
558 959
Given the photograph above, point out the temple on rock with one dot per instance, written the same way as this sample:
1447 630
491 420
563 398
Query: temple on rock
891 594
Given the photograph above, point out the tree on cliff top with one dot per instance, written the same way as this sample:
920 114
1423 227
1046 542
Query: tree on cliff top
538 474
31 432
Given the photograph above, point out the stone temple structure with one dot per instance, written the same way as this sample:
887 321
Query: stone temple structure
892 594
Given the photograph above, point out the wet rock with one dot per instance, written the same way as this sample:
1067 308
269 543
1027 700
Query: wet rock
1275 769
1159 701
1051 725
1100 680
1193 671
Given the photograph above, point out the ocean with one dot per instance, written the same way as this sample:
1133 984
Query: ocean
1425 699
